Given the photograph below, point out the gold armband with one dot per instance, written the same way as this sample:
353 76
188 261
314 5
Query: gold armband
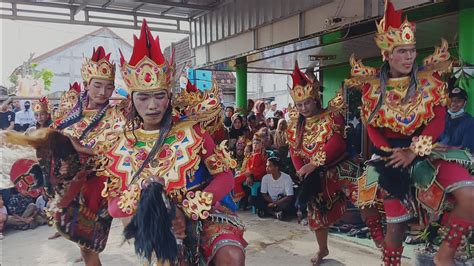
197 204
128 201
220 161
422 145
319 158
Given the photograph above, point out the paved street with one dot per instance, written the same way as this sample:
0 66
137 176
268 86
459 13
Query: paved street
271 242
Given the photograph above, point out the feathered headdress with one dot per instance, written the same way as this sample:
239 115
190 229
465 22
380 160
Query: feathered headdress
391 32
147 70
98 66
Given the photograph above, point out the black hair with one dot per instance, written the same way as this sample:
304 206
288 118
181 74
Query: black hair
251 117
275 161
151 226
230 107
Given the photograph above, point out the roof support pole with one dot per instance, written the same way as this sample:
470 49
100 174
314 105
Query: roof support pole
241 85
466 44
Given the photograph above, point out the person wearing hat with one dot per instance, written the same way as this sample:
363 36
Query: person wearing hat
271 112
458 122
404 111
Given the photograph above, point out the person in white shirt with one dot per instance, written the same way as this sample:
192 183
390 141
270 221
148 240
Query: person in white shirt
24 118
276 192
271 111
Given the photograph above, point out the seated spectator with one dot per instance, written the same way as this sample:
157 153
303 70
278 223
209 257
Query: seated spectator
3 217
276 196
239 153
252 125
229 112
459 124
254 171
7 117
236 131
24 118
23 213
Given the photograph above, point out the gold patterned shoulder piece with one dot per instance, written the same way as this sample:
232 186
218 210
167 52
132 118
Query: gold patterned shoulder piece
440 59
204 106
359 73
221 160
337 103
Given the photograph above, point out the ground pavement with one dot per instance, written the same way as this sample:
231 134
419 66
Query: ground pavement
271 242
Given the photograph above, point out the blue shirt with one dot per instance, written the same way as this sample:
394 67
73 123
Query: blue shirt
458 132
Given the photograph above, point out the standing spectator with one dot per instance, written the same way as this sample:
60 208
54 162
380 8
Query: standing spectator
24 118
7 117
252 124
280 141
271 112
260 113
279 114
229 112
276 192
459 124
250 105
3 217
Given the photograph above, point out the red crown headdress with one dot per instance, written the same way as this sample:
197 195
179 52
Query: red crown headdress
391 32
303 88
98 66
147 69
42 105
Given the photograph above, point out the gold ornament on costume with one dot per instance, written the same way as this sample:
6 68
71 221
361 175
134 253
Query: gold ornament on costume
147 70
221 160
422 145
391 32
128 201
98 66
203 106
197 204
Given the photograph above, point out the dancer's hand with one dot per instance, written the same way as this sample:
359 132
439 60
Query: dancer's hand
64 167
306 170
401 158
179 225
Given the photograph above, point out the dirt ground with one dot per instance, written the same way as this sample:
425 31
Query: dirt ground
271 242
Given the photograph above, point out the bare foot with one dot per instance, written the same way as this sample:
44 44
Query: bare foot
78 260
316 260
438 261
54 236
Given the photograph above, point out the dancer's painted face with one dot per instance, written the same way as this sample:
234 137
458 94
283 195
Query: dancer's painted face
401 60
99 91
151 107
307 107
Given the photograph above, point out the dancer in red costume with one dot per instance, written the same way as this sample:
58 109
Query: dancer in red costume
166 173
317 149
404 109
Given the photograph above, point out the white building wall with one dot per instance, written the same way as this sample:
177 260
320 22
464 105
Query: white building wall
66 65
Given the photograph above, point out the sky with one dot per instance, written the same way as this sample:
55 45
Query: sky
20 38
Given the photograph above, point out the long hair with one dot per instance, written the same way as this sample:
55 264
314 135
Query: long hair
151 226
384 76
